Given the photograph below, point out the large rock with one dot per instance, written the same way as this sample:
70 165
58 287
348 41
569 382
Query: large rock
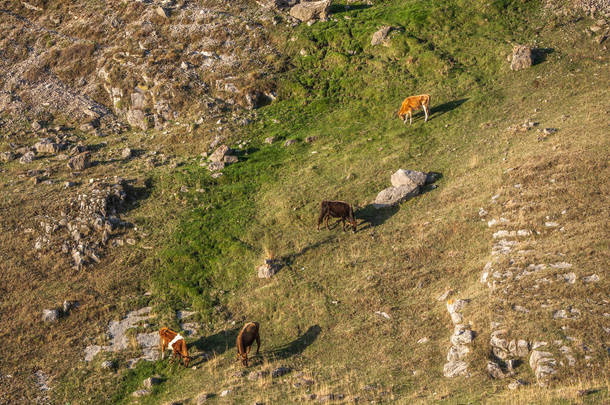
311 10
411 178
220 153
27 157
393 196
522 58
380 35
46 145
543 365
80 162
455 369
139 119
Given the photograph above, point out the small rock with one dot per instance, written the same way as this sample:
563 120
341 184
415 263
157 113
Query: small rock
380 35
107 365
385 315
220 153
228 159
50 315
393 196
455 369
225 393
549 131
154 380
516 384
423 340
202 398
7 156
216 166
311 11
126 153
593 278
522 58
27 157
68 305
290 142
444 295
140 393
280 371
494 370
270 140
36 126
311 139
255 375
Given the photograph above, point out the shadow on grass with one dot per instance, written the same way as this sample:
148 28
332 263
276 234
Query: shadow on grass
217 343
372 216
539 54
289 259
339 8
441 109
297 346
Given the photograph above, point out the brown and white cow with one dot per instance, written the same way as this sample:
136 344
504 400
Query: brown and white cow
336 209
245 339
414 103
176 343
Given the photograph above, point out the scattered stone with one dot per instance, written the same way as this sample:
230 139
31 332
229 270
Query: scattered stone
423 340
231 159
311 139
569 278
269 268
139 119
551 224
216 166
494 370
80 162
290 142
444 295
68 306
27 157
46 145
224 393
381 35
108 364
522 58
50 315
385 315
461 335
256 375
482 212
154 380
593 278
140 393
458 352
7 156
549 131
311 11
280 371
126 153
543 365
455 368
36 126
516 384
270 140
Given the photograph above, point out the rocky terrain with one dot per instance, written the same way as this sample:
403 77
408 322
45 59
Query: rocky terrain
162 163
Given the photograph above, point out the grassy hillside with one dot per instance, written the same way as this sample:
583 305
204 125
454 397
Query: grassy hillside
317 314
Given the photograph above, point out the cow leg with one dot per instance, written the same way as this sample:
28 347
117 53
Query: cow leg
326 222
410 117
343 221
320 219
425 112
162 350
258 343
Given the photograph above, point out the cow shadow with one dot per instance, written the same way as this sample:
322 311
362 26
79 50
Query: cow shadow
372 217
297 346
288 260
441 109
215 344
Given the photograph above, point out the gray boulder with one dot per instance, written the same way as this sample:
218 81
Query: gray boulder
455 369
216 166
7 156
411 178
393 196
311 10
522 58
220 153
46 145
150 381
80 162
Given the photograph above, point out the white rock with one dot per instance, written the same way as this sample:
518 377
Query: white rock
455 369
458 352
593 278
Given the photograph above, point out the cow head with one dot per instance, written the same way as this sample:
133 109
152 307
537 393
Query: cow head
244 358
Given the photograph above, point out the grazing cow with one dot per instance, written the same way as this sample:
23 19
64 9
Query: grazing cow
413 103
245 339
336 209
175 342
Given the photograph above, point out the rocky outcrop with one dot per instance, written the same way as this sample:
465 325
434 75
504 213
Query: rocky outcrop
80 162
460 340
311 10
380 36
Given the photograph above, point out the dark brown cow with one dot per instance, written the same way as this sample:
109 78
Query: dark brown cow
245 339
176 343
336 209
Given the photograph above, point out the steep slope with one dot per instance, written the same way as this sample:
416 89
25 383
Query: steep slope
322 314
